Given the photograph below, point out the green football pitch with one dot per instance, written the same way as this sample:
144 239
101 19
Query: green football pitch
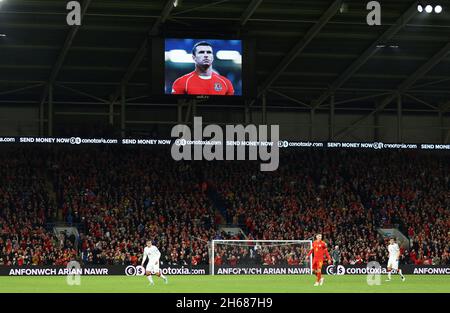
225 284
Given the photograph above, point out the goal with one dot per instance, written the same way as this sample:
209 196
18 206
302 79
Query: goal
260 257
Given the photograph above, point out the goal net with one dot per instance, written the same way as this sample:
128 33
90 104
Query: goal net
260 257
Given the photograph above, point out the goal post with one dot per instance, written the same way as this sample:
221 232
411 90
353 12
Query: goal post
264 257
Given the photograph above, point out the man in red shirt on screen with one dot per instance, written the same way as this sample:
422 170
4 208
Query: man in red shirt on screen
203 80
319 249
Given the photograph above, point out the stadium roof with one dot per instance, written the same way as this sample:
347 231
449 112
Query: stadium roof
307 50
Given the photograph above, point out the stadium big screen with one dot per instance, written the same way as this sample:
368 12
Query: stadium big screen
203 67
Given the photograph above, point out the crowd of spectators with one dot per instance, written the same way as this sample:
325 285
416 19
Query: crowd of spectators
347 196
26 210
124 197
117 197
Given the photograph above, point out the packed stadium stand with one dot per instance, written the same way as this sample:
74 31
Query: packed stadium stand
118 197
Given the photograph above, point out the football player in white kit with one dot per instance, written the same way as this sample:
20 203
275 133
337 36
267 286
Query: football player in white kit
394 256
152 253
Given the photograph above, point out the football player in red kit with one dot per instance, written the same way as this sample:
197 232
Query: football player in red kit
203 80
319 249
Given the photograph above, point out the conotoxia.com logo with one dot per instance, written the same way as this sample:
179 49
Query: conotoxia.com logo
75 140
140 271
78 140
335 270
341 270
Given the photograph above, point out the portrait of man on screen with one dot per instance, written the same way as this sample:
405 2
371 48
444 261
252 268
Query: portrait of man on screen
203 80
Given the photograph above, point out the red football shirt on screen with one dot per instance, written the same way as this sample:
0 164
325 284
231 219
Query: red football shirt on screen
194 84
